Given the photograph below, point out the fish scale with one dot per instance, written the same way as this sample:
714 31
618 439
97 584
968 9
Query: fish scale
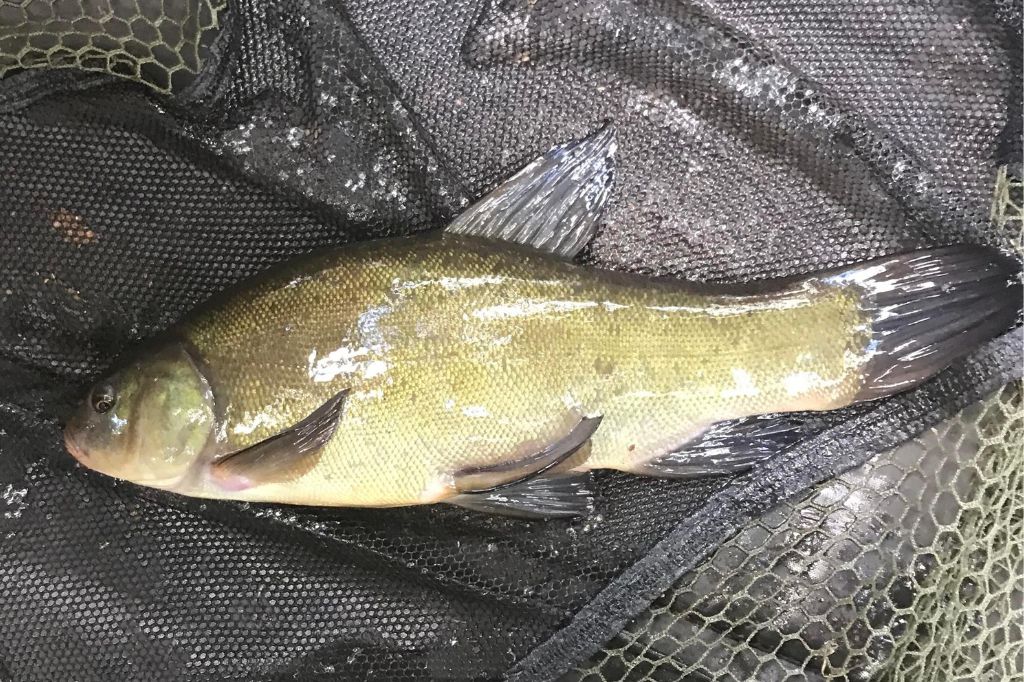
459 352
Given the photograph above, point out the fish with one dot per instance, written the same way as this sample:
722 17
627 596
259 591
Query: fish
482 366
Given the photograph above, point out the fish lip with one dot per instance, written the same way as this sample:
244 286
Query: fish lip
73 447
83 458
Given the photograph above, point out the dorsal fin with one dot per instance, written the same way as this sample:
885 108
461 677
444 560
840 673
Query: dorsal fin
554 203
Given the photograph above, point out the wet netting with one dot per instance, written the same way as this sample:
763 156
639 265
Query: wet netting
905 568
155 152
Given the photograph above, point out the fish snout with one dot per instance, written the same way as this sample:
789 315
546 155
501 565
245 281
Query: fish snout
72 445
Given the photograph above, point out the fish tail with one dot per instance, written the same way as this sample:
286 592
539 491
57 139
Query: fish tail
929 308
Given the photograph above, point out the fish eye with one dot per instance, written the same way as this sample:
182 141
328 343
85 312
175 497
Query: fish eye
103 399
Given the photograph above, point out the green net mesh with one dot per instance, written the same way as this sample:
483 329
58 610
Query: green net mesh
159 42
907 568
1008 207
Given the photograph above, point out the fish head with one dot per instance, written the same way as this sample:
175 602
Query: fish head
148 422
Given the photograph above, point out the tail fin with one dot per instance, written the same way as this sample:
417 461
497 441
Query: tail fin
930 308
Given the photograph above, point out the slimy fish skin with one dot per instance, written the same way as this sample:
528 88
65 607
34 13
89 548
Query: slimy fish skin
481 366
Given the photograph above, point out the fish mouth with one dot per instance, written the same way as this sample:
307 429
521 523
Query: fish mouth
79 453
73 447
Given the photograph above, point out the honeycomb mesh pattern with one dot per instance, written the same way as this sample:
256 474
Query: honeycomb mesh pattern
158 42
1008 207
757 138
906 568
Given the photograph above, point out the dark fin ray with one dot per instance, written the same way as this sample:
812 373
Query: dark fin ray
930 308
728 447
554 203
485 479
544 497
925 307
289 453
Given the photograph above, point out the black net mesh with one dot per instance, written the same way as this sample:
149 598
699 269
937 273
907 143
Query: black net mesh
756 138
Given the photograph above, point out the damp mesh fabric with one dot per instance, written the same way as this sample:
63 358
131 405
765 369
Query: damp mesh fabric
193 145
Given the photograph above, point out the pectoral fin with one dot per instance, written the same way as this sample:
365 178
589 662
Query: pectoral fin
287 454
554 203
486 479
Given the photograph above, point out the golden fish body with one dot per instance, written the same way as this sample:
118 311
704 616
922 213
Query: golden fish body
480 366
458 352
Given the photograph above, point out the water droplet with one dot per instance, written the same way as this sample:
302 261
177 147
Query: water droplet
14 500
295 136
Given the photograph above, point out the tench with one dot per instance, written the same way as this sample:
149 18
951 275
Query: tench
480 366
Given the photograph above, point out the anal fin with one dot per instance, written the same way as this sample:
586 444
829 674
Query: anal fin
727 447
559 496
